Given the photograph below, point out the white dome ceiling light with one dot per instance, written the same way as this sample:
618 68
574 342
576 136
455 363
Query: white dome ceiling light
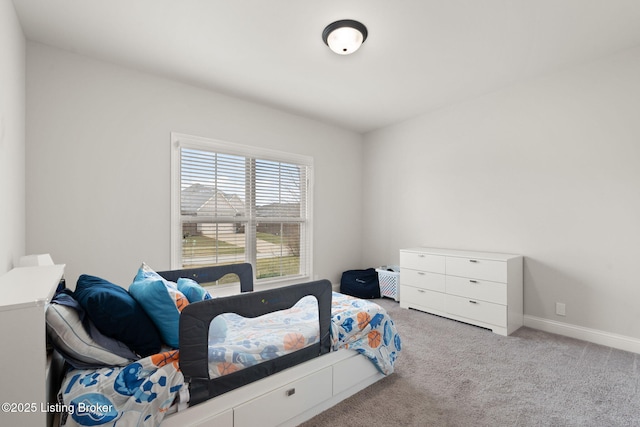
345 36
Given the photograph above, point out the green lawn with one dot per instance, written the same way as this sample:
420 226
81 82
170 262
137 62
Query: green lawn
271 238
207 246
276 267
194 247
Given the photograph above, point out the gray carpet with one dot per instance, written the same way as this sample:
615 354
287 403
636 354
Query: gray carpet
453 374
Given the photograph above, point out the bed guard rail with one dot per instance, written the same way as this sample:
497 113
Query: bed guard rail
194 335
244 271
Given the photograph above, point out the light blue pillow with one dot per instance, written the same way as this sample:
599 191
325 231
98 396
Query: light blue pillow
161 300
192 290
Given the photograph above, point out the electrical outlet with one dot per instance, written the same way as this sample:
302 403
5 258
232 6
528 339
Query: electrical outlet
560 309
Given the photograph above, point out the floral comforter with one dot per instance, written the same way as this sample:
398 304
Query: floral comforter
365 327
138 394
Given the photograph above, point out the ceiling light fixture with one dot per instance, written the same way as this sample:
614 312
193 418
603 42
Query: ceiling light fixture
345 36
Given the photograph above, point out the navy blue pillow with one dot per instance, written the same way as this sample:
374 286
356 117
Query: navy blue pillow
116 314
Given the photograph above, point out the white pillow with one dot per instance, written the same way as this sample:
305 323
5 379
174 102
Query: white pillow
69 335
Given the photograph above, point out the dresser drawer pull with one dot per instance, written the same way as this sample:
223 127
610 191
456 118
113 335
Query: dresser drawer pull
473 260
473 281
421 291
421 273
473 302
291 392
421 256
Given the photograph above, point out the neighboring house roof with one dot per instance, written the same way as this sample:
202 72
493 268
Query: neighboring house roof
200 199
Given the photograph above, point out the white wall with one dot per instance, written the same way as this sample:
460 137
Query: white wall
548 169
98 164
12 137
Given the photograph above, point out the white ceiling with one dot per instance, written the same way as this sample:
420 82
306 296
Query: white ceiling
420 55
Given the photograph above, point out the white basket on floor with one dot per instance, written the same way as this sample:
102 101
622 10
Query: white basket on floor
389 281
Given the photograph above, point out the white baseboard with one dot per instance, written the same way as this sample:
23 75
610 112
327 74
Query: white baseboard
595 336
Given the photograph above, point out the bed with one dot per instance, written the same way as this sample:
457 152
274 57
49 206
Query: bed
332 346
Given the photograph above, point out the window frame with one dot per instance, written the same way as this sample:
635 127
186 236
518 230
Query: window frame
180 140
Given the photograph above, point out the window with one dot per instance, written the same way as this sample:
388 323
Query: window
233 203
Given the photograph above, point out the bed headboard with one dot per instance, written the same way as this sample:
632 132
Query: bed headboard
211 274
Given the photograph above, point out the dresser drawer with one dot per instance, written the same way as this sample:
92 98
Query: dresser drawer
420 297
281 404
423 262
495 271
482 311
423 279
477 289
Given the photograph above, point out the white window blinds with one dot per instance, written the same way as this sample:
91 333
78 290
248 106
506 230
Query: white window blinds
240 204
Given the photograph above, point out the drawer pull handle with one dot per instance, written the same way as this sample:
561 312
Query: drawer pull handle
421 273
421 291
291 392
420 256
473 281
473 260
473 302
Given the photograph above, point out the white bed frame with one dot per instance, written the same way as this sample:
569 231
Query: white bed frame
287 398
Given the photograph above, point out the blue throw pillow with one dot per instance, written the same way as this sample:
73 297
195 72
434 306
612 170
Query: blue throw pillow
192 290
116 314
161 300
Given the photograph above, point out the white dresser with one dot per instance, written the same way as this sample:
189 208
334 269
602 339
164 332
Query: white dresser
480 288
